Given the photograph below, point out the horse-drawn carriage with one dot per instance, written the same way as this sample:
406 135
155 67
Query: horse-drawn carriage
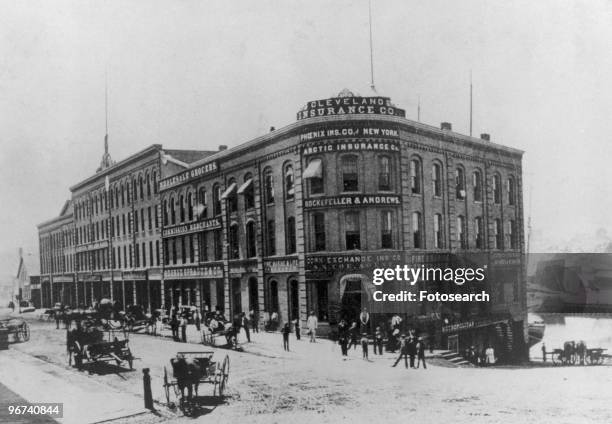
189 369
578 353
216 327
92 344
136 320
18 327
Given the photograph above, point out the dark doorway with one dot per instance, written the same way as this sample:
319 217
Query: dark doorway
294 300
273 297
351 301
253 294
236 296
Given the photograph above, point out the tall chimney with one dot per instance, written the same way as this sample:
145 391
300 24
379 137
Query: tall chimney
446 126
485 136
222 147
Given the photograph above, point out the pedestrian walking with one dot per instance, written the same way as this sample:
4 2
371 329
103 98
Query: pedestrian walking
245 325
312 323
236 325
420 347
274 321
490 353
296 325
403 348
543 352
412 351
174 326
354 334
184 329
254 318
285 331
364 345
378 341
197 319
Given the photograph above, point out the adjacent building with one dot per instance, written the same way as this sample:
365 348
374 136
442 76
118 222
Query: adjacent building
296 220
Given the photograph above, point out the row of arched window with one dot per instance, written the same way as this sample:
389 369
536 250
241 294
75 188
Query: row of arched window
461 188
120 194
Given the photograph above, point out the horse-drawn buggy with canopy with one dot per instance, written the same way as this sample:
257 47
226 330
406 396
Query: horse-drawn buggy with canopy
189 369
578 353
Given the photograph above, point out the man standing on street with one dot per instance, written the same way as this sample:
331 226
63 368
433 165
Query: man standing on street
312 323
403 351
420 347
253 315
543 352
364 320
245 325
184 329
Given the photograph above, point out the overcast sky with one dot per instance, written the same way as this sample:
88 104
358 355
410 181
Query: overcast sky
196 74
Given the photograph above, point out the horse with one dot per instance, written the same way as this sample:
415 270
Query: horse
188 373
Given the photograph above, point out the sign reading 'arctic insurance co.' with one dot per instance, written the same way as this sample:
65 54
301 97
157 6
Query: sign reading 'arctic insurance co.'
350 106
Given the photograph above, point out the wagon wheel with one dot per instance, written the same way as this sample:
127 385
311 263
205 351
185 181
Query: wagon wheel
166 386
223 375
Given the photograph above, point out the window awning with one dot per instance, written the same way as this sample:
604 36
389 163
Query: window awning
244 186
229 191
314 169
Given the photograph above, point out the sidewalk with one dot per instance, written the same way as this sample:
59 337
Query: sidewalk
85 400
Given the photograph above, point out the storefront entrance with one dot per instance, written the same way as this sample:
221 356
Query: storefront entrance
351 300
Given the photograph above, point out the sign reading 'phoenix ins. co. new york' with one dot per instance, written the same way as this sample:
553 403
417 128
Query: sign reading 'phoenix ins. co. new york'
350 106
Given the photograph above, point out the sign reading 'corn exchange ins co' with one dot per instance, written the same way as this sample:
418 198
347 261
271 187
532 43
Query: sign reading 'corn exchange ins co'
350 106
349 201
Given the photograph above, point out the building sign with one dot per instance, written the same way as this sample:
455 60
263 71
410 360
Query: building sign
63 279
509 260
355 262
280 265
353 131
350 106
190 174
135 275
88 277
349 201
244 267
191 272
349 146
92 246
194 227
467 325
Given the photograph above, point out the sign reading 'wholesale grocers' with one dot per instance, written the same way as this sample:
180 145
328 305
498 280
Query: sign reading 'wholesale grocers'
350 201
185 176
350 106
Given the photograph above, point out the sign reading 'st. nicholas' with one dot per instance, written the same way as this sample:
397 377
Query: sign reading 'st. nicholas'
350 105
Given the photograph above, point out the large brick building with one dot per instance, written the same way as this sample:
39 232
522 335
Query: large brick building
296 220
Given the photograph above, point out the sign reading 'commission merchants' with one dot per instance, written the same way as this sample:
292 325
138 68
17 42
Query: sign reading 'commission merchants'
349 201
346 146
207 224
184 176
350 106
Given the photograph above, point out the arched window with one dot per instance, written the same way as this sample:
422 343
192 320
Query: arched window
350 173
148 178
154 182
202 210
271 237
251 239
190 206
477 185
436 179
248 192
438 238
511 191
384 173
497 195
478 227
289 189
181 201
318 225
117 196
232 197
234 252
416 230
111 197
352 234
172 211
291 246
461 232
499 235
415 176
512 234
314 174
459 183
268 186
141 187
128 192
216 199
386 230
165 213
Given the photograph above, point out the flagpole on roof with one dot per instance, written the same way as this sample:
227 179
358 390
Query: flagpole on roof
371 47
